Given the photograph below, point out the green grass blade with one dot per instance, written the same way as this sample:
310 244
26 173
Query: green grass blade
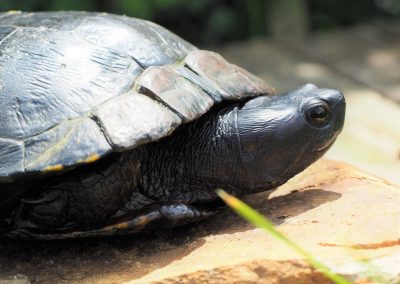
260 221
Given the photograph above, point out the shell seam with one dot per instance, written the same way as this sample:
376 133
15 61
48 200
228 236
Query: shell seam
10 34
149 93
103 130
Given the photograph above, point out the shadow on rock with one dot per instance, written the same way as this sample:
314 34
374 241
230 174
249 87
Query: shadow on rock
276 209
74 260
131 257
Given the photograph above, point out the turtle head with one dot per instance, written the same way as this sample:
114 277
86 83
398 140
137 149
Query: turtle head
282 135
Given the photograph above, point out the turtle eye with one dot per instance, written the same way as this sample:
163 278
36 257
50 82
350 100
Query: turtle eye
319 115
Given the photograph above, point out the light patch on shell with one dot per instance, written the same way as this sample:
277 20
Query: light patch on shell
54 168
91 159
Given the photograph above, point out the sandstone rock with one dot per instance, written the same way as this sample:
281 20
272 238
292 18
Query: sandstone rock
329 209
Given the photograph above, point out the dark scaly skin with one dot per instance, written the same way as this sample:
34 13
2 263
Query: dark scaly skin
243 148
194 162
84 197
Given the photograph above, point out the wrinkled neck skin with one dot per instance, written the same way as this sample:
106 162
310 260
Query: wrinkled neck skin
198 158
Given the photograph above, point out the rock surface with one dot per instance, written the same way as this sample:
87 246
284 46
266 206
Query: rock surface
329 209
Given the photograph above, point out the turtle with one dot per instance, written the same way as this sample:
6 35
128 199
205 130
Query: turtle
113 125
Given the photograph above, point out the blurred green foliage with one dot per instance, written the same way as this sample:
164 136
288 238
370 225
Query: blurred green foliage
215 21
328 14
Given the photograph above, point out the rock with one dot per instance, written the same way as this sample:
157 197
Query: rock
343 216
329 209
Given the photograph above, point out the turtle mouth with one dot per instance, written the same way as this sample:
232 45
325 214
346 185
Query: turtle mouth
322 148
326 145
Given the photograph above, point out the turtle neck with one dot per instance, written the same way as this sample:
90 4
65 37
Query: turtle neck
198 158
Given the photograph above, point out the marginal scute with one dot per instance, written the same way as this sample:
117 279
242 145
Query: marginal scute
71 143
176 91
232 81
133 119
11 158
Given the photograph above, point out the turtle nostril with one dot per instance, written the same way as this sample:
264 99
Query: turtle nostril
331 97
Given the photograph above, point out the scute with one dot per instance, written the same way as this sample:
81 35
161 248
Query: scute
174 90
133 119
75 86
148 43
230 80
70 143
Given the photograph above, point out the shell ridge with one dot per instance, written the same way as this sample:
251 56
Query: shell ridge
9 35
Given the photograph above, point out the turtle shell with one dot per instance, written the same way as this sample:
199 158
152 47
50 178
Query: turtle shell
75 86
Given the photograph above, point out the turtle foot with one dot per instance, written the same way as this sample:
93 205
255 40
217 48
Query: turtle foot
152 218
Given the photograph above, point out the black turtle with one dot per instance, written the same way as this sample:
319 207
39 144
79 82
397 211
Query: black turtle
113 125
